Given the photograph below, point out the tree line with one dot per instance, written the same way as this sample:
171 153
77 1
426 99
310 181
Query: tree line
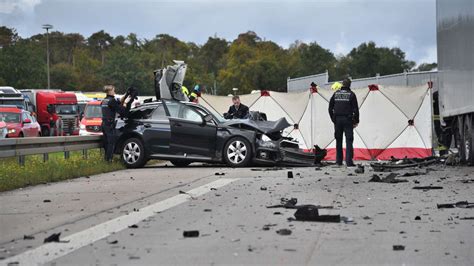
247 63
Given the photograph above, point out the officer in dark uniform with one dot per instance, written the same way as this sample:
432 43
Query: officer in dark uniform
237 110
110 107
344 113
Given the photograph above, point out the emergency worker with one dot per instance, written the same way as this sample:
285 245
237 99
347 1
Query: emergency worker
344 113
110 107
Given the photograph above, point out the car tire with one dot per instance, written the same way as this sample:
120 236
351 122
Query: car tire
133 153
180 163
21 135
237 152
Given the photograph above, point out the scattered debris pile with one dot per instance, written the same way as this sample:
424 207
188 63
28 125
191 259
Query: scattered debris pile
395 163
391 178
291 204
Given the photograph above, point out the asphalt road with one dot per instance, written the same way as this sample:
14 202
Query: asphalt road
137 217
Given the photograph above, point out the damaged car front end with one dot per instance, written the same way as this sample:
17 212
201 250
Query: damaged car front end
271 147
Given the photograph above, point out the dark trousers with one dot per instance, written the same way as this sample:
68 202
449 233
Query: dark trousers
108 138
343 125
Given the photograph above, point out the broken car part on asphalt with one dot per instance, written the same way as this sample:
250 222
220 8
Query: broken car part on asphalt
404 163
391 178
459 204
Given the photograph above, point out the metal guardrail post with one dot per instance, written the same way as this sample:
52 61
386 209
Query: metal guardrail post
21 160
67 155
84 154
45 157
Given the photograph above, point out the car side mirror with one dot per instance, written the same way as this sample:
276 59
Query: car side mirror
27 121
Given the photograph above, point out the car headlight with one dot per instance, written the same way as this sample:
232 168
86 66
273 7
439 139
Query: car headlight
265 138
11 131
82 126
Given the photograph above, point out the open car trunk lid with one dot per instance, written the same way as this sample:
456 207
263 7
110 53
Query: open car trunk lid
168 82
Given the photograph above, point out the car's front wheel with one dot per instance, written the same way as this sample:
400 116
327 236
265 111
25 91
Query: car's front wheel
237 152
133 153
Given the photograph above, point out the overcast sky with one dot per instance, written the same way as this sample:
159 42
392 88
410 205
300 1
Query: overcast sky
338 25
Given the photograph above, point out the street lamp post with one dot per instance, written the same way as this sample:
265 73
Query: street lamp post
47 27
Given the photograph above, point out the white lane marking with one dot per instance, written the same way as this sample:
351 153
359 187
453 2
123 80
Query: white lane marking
51 251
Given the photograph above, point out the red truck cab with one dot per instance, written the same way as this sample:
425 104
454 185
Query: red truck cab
91 122
20 123
60 107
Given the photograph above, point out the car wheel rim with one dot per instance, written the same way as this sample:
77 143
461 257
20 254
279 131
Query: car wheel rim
131 153
237 152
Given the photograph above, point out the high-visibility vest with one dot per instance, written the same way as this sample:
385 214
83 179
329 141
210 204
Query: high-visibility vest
185 90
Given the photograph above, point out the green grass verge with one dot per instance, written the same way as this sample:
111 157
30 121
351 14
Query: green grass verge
35 171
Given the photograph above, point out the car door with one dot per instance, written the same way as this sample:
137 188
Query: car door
156 131
36 127
190 135
26 127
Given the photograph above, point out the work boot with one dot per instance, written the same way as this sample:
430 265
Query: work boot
350 165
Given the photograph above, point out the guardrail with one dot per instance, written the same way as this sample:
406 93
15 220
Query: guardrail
20 147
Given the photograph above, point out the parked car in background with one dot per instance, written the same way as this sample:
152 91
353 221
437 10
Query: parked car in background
20 123
91 122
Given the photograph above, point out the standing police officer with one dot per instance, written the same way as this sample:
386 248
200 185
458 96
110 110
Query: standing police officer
344 113
110 107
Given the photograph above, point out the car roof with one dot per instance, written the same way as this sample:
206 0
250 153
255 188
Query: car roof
95 102
10 109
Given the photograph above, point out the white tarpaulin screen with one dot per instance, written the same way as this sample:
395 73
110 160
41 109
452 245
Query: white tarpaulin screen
394 121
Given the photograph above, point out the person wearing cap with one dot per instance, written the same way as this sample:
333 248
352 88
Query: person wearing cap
336 86
344 113
110 107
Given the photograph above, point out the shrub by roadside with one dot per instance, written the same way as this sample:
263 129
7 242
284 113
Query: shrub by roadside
35 171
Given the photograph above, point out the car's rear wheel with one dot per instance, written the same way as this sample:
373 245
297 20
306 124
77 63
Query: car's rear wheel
180 163
133 153
237 152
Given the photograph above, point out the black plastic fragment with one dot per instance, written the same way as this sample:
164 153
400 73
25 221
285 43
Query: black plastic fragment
290 174
133 226
28 237
311 213
360 169
417 218
391 178
52 238
427 187
398 247
284 232
191 233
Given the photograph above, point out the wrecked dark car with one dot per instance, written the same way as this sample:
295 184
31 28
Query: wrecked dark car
184 132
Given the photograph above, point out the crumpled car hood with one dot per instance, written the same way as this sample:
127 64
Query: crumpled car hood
265 127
